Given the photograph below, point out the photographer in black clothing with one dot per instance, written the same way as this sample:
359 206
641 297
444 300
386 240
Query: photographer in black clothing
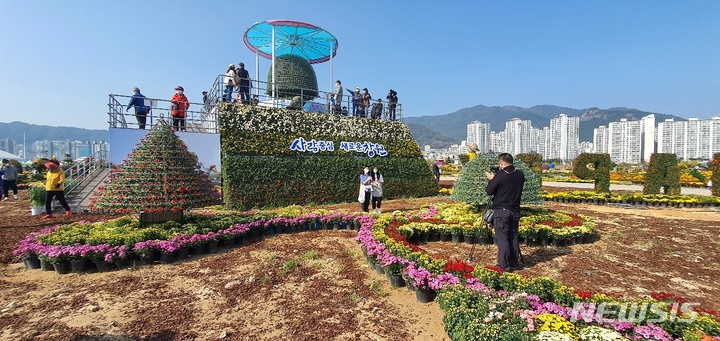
505 186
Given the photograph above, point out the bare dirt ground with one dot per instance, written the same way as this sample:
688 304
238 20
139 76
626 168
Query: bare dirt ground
317 286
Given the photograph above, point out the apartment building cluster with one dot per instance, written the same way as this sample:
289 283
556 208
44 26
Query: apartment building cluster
561 140
635 141
627 141
48 149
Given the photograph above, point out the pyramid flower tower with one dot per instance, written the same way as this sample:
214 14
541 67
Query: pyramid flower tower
159 175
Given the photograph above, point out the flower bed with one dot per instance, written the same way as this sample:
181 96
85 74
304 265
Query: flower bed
490 304
479 303
123 239
638 198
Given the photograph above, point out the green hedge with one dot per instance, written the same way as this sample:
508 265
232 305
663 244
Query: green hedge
260 169
599 170
281 181
663 172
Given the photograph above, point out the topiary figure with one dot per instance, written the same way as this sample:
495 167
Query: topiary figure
663 173
293 74
471 182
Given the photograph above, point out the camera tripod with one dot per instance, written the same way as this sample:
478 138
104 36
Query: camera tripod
521 259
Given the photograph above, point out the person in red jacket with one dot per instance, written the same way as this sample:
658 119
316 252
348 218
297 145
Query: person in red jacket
179 105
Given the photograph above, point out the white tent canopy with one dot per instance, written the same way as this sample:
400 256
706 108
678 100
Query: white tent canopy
6 155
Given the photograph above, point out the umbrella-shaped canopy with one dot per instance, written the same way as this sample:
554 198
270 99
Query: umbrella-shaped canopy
291 37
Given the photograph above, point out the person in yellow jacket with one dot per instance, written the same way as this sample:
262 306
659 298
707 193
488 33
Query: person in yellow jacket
55 187
472 151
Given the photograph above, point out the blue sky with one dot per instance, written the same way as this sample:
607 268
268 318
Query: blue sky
59 60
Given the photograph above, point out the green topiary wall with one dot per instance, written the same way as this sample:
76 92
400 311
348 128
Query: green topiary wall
293 73
260 168
598 170
471 182
663 172
715 167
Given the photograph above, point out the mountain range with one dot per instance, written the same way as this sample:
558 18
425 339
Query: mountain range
34 132
444 130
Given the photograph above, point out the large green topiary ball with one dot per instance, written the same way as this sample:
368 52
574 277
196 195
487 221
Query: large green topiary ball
471 182
293 74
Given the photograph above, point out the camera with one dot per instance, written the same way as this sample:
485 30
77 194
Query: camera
493 169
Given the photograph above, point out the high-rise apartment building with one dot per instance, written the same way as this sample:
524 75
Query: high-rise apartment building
564 137
691 139
600 140
479 133
624 140
519 136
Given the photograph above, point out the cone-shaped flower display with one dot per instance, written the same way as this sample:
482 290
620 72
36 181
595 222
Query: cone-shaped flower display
159 175
471 182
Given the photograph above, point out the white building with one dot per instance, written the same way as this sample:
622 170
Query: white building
624 140
543 142
600 140
586 147
691 139
498 142
564 137
647 131
479 133
519 136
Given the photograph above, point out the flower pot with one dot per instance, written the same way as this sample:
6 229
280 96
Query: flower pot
425 237
409 285
587 239
229 243
46 266
78 265
434 237
184 253
121 263
371 262
31 262
103 266
166 257
569 241
36 210
336 226
485 240
212 247
379 268
544 241
557 242
344 225
149 258
396 280
578 239
62 267
270 230
469 239
425 295
445 237
456 238
197 250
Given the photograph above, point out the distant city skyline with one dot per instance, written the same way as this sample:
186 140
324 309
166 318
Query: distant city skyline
654 56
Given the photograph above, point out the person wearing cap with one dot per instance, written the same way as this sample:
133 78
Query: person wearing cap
365 99
355 100
55 187
392 103
179 104
230 80
141 110
243 83
204 94
472 151
377 109
9 179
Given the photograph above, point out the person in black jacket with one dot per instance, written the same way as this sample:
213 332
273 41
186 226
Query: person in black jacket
505 187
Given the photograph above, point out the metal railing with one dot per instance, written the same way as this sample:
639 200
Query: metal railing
79 171
322 103
199 118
